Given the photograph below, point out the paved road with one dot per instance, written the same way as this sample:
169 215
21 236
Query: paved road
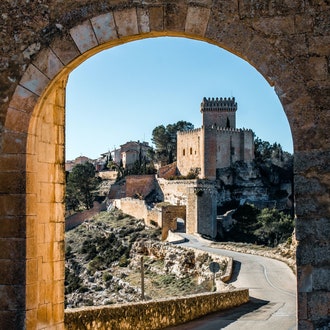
272 287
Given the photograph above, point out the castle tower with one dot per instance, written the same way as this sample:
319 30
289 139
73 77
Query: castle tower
216 113
220 112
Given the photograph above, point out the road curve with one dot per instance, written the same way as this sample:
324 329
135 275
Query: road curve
272 287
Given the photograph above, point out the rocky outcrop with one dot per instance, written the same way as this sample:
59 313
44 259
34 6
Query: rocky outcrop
264 185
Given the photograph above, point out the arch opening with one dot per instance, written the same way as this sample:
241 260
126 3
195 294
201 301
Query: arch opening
45 82
46 152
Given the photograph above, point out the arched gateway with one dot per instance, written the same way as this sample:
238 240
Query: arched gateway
286 41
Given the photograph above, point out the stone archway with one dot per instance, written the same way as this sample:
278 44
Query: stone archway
32 140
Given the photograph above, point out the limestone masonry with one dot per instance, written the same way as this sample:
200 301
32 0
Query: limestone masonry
42 41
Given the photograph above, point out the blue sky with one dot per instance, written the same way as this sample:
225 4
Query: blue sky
123 93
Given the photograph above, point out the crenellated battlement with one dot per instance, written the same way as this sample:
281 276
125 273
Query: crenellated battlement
228 130
192 131
219 104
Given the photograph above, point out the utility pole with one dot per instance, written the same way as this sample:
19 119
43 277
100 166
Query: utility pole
142 278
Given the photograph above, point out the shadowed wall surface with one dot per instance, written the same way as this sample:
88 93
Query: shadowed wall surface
42 42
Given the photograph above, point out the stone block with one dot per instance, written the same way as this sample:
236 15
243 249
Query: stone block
12 205
34 80
126 22
275 25
32 271
31 182
48 63
31 225
316 160
58 290
318 305
12 162
143 20
42 314
46 212
31 319
104 27
65 49
59 193
17 120
196 21
48 133
23 100
302 308
308 228
310 185
45 172
319 45
49 232
13 319
58 313
59 275
156 18
318 68
12 297
84 36
12 272
31 204
12 182
41 234
31 247
175 16
13 142
59 231
321 278
32 296
13 248
46 152
12 227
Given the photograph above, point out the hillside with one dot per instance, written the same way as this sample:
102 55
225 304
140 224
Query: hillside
103 257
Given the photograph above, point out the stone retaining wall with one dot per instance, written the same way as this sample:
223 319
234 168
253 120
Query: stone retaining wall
153 314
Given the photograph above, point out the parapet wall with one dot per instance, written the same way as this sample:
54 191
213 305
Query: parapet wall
138 209
175 191
156 314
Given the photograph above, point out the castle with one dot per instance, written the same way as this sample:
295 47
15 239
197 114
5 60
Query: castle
217 144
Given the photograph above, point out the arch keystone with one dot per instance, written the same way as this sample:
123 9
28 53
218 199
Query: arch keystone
126 21
197 20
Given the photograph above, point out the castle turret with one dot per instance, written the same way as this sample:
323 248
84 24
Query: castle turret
220 112
216 113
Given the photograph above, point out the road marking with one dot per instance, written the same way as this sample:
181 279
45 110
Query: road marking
274 286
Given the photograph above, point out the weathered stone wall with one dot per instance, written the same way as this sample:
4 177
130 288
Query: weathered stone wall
138 209
164 216
153 314
189 150
42 42
78 218
175 191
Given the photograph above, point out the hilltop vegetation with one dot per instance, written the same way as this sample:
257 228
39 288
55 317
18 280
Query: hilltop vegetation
103 257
